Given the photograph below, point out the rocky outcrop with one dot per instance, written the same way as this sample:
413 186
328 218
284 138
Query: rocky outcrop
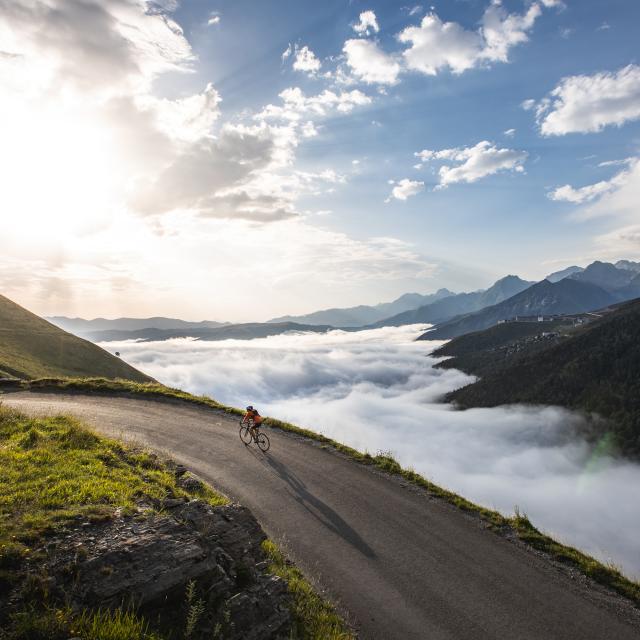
191 559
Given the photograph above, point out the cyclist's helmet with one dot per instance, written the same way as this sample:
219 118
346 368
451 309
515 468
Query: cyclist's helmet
249 408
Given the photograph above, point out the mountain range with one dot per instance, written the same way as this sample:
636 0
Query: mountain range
245 331
81 327
571 290
457 304
597 286
541 299
366 315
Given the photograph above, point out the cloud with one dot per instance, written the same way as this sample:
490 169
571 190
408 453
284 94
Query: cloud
103 141
96 48
482 160
584 194
297 105
620 243
588 104
214 19
305 60
120 191
510 133
620 202
369 63
616 196
503 31
591 192
187 119
435 45
405 189
377 391
367 24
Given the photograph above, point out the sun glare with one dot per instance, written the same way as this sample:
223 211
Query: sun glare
59 172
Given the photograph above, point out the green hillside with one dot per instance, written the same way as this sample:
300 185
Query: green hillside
31 347
484 352
596 370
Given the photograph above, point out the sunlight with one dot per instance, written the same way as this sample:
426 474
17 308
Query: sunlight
60 172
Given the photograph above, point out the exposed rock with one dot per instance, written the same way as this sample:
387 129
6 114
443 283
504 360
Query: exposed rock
179 470
149 562
190 482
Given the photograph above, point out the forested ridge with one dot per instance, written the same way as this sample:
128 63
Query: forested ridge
596 370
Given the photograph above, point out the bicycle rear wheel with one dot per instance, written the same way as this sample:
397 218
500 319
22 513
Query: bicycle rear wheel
263 442
245 433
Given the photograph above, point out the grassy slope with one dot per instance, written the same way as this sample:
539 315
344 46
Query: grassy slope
54 472
596 371
482 352
519 524
31 347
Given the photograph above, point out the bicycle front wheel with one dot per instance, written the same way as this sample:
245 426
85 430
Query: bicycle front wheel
263 442
245 433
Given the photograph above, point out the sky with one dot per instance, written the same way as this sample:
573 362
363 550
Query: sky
376 391
239 160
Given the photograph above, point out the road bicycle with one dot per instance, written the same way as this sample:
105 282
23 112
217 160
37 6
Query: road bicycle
249 432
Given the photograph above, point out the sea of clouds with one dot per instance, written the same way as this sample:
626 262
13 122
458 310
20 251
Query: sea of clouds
377 391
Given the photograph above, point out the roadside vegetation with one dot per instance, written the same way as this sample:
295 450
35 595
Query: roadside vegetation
57 475
314 617
518 525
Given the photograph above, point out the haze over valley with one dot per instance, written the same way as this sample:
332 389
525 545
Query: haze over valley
398 243
376 390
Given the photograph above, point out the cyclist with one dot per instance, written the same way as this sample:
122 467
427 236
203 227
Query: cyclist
253 418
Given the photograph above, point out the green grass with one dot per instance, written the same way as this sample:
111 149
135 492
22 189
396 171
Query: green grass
31 347
314 617
605 575
62 624
54 472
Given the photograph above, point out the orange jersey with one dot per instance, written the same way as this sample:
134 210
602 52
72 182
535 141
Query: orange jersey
252 415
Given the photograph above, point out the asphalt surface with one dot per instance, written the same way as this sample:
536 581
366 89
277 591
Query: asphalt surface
400 564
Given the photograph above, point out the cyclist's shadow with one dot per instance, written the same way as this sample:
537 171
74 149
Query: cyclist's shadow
318 509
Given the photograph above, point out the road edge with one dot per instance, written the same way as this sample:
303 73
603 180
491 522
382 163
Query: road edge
516 528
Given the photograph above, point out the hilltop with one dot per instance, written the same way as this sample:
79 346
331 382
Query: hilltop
31 347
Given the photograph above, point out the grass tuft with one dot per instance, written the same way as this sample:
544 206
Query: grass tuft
314 617
61 624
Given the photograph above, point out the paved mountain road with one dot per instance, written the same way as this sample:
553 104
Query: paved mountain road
402 566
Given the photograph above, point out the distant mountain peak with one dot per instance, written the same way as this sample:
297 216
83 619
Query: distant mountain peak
605 275
629 265
556 276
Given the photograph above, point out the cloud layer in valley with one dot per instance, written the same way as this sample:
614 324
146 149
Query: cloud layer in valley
376 390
